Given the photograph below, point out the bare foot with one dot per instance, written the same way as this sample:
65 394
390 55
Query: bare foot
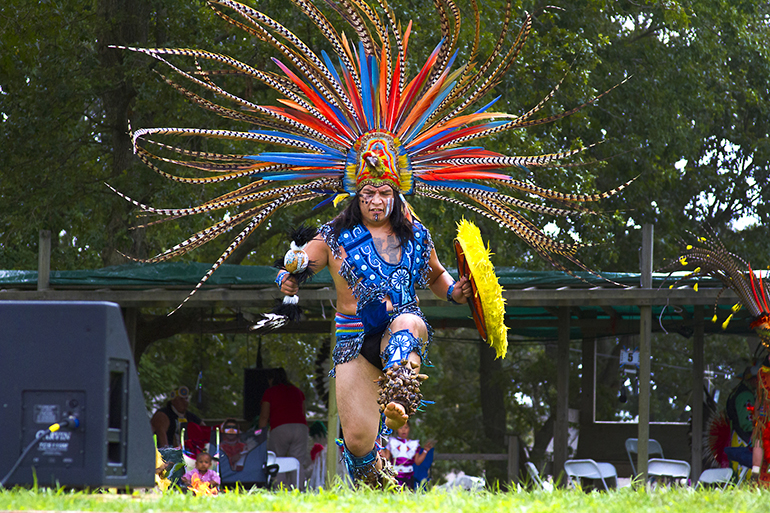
395 416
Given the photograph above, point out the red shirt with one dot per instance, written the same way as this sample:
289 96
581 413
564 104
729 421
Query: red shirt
285 405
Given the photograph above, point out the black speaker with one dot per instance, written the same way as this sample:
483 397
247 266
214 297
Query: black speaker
255 382
63 359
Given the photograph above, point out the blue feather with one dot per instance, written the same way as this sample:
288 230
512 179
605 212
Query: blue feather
488 105
290 176
326 201
331 67
366 87
299 138
318 160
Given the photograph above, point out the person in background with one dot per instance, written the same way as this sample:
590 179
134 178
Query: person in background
168 421
283 409
202 480
739 412
404 454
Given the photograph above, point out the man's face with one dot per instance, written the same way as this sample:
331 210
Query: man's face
376 202
180 403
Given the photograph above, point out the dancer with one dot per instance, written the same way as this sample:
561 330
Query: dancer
711 258
378 254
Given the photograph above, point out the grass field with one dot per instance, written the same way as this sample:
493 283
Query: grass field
341 499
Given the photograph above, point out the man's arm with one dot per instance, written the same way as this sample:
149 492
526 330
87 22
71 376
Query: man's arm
318 254
160 423
440 282
264 414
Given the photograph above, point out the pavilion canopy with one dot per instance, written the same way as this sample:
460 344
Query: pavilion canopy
532 297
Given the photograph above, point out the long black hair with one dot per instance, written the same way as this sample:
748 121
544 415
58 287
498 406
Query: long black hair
279 377
399 222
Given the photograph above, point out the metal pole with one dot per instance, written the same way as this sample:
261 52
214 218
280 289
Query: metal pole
130 319
513 458
332 424
645 353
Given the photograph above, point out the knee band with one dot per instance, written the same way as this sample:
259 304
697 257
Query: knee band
363 469
401 343
358 466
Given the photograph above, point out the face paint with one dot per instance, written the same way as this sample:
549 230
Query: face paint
388 206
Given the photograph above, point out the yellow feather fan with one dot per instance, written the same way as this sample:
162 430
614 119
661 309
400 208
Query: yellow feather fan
489 293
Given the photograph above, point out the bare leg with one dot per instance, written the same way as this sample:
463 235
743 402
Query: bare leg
395 414
357 404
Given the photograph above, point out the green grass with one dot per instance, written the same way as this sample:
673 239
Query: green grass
341 499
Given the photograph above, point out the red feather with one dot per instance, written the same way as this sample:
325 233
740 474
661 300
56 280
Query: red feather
719 436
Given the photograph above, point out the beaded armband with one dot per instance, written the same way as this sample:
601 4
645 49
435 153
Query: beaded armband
449 293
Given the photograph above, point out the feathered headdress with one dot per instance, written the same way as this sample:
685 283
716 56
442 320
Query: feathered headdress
354 117
711 258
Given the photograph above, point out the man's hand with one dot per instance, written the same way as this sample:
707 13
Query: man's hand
289 286
462 290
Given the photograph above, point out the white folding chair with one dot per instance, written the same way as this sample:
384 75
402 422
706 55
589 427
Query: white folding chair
285 464
714 476
535 477
742 473
668 470
632 449
590 469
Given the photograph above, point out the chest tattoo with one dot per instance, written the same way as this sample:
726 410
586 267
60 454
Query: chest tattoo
388 248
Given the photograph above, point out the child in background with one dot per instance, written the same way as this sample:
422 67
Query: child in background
404 453
231 444
202 480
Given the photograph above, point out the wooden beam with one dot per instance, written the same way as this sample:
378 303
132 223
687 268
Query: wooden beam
246 297
44 260
332 433
469 456
130 318
320 326
513 458
588 380
696 406
561 428
645 344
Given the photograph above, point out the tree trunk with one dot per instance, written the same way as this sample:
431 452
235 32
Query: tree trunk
544 434
122 22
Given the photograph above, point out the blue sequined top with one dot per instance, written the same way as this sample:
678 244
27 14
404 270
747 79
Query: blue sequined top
370 277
